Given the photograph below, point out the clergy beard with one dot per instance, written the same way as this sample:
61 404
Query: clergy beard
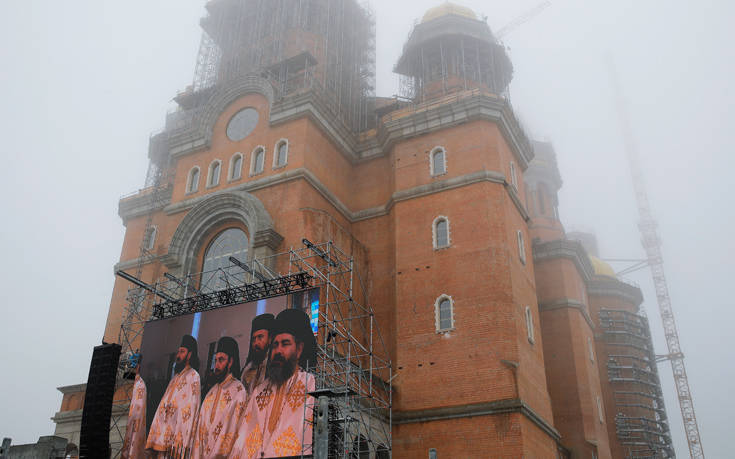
258 355
279 369
179 366
218 377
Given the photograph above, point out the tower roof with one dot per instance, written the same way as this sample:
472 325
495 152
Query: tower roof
446 9
602 268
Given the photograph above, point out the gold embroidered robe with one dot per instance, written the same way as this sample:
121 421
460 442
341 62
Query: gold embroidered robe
219 418
174 420
274 425
134 442
253 376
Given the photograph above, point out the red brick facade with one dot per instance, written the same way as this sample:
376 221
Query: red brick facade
485 388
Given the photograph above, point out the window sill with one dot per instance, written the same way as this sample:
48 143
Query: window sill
275 168
443 247
445 331
438 175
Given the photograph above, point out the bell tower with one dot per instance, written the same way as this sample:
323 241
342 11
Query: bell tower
452 50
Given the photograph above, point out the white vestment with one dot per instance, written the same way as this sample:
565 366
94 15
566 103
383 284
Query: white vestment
253 375
274 425
134 442
219 418
174 420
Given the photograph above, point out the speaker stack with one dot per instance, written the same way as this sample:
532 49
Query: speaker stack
94 440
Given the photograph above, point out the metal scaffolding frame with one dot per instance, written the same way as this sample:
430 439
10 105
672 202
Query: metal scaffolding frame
354 370
327 46
641 423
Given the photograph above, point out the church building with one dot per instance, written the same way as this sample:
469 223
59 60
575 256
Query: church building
508 337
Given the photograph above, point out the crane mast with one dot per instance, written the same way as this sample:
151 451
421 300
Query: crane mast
652 245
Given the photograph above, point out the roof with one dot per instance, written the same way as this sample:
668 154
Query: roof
601 268
446 9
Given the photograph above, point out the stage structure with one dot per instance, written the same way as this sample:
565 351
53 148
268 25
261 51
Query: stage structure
353 395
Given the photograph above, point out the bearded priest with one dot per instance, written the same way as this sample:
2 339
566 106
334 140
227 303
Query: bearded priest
173 423
260 339
223 406
274 421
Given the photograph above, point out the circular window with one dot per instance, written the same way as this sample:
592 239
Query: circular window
242 124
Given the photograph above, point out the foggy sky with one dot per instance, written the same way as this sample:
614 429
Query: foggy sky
85 82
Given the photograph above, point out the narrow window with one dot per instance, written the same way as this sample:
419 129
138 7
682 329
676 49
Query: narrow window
213 178
193 184
529 325
444 314
236 166
591 349
513 178
541 201
438 161
441 232
521 247
150 238
599 410
258 161
281 154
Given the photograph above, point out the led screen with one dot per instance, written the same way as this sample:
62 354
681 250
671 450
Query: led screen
228 382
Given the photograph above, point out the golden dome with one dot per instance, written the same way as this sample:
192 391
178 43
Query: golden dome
446 9
601 268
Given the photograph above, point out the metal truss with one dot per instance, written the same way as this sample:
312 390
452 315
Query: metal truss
641 423
353 370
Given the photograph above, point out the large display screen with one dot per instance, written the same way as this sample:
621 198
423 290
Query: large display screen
228 382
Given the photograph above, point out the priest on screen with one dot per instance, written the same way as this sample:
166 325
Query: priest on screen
274 425
170 434
260 339
134 442
223 406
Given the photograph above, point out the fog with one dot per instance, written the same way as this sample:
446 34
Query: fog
84 83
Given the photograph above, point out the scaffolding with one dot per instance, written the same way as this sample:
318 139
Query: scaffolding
450 54
323 46
641 423
353 370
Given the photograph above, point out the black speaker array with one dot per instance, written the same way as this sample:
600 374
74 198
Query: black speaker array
94 441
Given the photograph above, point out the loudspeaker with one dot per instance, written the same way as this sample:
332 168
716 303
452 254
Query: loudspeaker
94 441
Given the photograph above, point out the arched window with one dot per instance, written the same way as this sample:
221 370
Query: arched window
591 349
281 157
256 165
444 313
192 183
521 247
440 230
232 242
529 325
236 166
213 176
541 199
150 238
438 163
513 176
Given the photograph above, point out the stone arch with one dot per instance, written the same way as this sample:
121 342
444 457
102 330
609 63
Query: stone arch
235 205
229 92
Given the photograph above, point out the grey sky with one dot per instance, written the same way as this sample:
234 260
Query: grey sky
84 83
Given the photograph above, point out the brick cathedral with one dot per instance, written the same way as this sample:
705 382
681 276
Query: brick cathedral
508 337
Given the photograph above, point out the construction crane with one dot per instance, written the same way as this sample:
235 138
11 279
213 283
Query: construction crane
522 19
652 244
